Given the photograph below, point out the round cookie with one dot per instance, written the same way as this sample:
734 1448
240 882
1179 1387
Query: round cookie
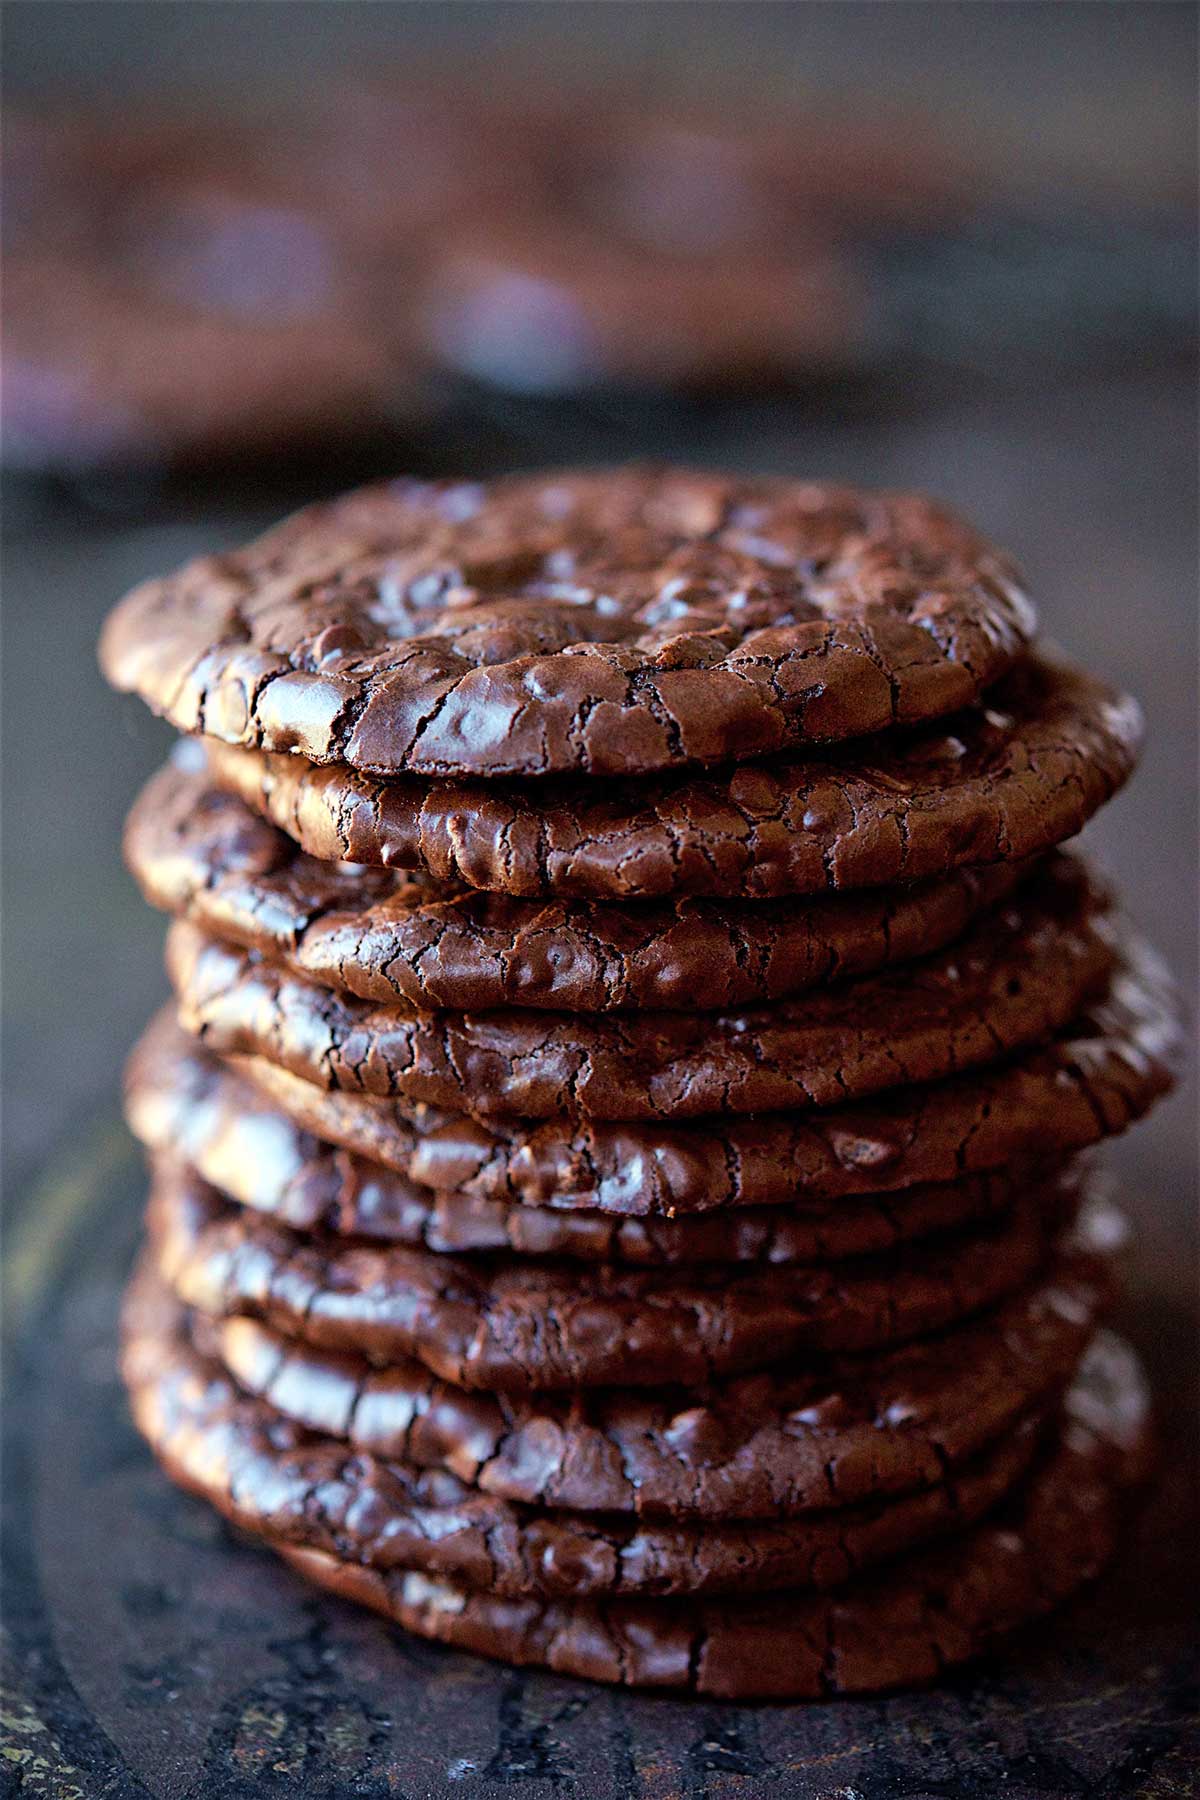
933 1609
181 291
181 1099
683 250
384 936
303 1488
1103 1071
1001 783
615 622
813 1432
1021 973
548 306
517 1325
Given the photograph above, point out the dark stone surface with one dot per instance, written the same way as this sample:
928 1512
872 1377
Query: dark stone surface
153 1655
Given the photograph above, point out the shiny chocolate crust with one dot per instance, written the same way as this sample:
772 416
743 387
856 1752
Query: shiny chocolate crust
996 784
517 1325
385 936
1103 1071
307 1488
180 1098
1022 972
811 1433
614 623
933 1609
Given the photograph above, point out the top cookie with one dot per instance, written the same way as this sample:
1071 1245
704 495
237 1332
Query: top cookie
614 623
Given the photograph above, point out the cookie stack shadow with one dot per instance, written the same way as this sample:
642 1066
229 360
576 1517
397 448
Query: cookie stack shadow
613 1209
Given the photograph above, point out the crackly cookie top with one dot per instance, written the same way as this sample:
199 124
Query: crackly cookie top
804 1435
1021 973
1107 1068
518 1324
302 1486
181 1098
616 622
994 784
207 856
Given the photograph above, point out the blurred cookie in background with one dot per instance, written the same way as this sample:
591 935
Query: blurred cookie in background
183 291
187 289
387 260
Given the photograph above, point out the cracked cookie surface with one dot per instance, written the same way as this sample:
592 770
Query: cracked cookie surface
517 1324
995 784
1103 1071
614 623
809 1433
299 1486
384 935
940 1605
1021 972
180 1098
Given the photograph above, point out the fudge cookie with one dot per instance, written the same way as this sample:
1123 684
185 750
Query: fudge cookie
541 306
813 1432
1106 1069
997 784
678 250
614 623
1022 972
384 936
180 1098
933 1609
177 292
294 1486
517 1325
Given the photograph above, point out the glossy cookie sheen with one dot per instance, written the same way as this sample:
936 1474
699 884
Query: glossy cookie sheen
1020 974
384 935
615 623
181 1099
1105 1069
303 1487
518 1325
994 785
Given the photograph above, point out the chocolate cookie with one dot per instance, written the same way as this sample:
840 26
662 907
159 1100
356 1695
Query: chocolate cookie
1022 972
827 1430
517 1325
679 250
1103 1071
179 291
303 1488
550 306
615 623
180 1098
208 857
998 784
935 1608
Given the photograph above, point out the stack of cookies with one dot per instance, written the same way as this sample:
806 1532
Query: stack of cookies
620 1183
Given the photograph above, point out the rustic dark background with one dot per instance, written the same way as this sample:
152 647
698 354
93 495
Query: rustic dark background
150 1658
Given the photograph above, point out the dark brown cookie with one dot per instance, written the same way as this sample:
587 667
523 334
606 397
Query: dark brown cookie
179 290
616 623
304 1488
517 1325
1021 973
679 250
550 305
812 1433
1105 1069
933 1609
180 1098
999 784
208 857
